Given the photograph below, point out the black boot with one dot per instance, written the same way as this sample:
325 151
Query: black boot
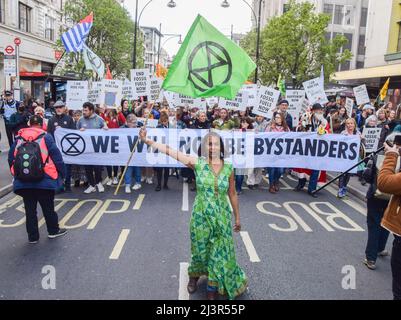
158 188
300 185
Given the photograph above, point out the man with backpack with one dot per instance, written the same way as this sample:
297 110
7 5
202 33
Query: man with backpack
36 164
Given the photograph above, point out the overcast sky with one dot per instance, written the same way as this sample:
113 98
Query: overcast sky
179 19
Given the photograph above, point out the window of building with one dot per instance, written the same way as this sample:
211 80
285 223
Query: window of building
49 28
360 64
24 17
286 7
361 45
348 45
364 17
345 65
348 15
338 14
328 9
2 11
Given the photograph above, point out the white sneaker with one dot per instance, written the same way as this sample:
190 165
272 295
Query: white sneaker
128 188
115 181
149 181
136 186
100 187
109 181
90 189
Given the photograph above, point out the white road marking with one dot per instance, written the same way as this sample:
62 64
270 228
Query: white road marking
9 203
115 254
185 200
253 256
138 202
350 202
6 187
183 281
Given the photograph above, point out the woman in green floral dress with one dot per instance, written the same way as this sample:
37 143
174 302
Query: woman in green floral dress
212 243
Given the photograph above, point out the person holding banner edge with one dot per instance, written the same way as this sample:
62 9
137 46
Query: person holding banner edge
212 243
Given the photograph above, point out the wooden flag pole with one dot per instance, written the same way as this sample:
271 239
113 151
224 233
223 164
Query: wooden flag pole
132 153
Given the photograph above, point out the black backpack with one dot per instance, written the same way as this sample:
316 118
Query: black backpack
28 164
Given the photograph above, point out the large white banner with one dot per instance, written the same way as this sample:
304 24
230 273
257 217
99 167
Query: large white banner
77 94
332 152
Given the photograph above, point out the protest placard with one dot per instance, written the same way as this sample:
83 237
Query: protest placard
94 93
77 94
361 94
238 104
315 91
372 137
349 105
295 99
111 93
128 91
155 86
252 93
140 79
267 100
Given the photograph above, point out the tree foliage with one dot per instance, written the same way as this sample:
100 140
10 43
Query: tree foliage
295 46
111 36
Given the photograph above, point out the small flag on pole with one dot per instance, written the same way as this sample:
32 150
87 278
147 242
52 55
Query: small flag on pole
281 85
383 91
108 74
74 39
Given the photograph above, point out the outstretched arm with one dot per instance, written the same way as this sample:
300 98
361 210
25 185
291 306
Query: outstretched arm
185 159
232 194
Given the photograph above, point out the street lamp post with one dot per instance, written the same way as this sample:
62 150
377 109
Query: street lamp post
226 4
171 4
171 35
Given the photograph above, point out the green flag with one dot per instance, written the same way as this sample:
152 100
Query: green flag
281 85
208 64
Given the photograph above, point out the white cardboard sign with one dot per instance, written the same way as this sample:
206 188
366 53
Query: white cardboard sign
140 79
315 91
77 94
361 94
267 100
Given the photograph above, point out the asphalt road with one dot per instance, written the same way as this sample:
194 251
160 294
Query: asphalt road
137 247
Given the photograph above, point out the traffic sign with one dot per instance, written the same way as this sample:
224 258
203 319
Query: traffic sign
9 50
58 54
17 41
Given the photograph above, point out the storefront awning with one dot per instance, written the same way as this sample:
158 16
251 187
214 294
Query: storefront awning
390 70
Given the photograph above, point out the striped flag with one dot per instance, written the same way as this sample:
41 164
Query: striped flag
74 39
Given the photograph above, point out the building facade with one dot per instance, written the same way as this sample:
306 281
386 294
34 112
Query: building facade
152 38
383 51
347 17
37 24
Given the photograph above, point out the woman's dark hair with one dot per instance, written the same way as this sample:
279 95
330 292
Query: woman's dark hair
248 120
88 105
203 150
122 102
283 121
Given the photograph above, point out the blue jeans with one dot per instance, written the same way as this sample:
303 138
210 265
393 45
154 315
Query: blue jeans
239 179
314 177
275 175
136 171
377 235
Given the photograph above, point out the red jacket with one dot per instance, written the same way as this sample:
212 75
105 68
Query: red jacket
114 123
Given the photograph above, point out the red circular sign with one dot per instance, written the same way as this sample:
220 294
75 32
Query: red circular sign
58 54
9 50
17 41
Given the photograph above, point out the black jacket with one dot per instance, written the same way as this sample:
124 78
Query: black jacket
200 125
63 121
370 176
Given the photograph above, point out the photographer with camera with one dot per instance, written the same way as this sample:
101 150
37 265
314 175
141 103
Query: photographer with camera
389 181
